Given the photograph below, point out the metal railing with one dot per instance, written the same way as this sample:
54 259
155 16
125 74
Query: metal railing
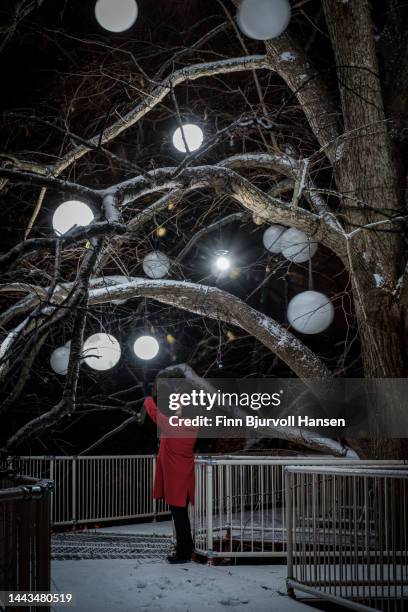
94 489
240 503
24 534
100 488
348 535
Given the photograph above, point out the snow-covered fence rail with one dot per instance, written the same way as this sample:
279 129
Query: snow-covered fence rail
240 503
348 535
92 489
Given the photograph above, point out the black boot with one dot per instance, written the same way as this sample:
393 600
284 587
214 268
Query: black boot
179 558
184 541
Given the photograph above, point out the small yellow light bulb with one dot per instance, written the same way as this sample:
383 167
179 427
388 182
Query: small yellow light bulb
235 273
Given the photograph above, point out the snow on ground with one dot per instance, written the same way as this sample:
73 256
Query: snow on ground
152 528
122 585
133 585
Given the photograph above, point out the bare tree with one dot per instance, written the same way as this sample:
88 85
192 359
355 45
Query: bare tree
347 192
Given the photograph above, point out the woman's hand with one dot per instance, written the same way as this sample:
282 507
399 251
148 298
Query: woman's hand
146 386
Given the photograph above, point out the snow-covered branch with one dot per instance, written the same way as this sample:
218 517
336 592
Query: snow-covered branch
294 169
295 435
150 99
31 174
222 177
228 182
220 305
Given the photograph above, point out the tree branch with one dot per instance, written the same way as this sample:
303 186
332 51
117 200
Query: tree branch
75 236
150 99
233 218
223 306
295 435
226 181
67 403
292 64
59 306
137 419
32 174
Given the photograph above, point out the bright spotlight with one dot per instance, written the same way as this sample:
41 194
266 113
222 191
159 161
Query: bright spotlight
71 213
222 263
146 347
193 137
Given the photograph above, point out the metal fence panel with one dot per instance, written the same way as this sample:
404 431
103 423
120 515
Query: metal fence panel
348 535
93 489
240 503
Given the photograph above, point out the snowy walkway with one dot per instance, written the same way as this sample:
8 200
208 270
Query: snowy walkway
152 585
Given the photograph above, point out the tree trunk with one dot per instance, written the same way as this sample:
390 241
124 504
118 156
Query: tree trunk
367 172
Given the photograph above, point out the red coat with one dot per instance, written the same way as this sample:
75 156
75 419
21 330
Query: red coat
174 480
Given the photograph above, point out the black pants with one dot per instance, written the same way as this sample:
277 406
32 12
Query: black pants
184 541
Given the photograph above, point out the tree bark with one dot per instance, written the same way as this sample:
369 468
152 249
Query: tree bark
367 171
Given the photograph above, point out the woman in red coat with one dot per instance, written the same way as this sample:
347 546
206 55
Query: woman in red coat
174 480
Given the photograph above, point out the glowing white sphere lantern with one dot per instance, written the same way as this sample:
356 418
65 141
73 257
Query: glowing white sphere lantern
116 15
59 359
101 351
146 347
193 136
310 312
71 213
297 246
263 19
272 238
156 264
